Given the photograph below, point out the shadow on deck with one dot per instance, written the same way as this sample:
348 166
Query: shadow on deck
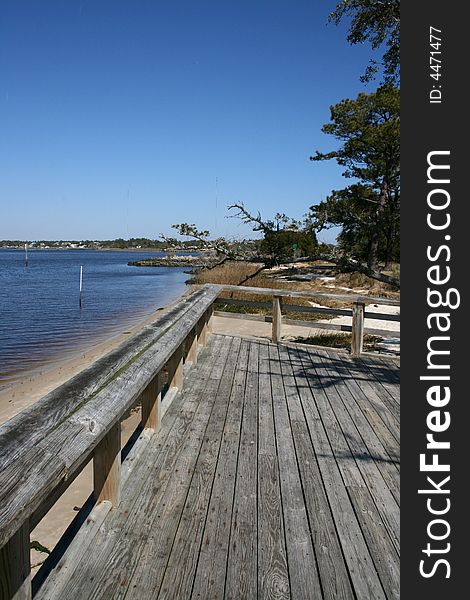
275 474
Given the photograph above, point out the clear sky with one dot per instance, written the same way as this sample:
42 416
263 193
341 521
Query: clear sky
121 117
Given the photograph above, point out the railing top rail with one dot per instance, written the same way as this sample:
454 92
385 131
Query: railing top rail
308 294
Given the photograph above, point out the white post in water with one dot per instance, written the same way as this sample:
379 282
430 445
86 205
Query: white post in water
26 254
81 284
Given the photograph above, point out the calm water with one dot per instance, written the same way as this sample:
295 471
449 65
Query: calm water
40 317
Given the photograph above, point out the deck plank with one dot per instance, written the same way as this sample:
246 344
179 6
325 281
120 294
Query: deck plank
375 412
273 576
365 579
243 550
352 451
171 571
302 565
363 377
210 574
335 581
368 444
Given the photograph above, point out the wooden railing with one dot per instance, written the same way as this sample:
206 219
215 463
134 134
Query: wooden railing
45 447
278 304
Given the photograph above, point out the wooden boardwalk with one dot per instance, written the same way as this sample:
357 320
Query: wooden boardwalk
275 474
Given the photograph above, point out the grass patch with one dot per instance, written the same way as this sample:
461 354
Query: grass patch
247 274
230 273
338 340
373 287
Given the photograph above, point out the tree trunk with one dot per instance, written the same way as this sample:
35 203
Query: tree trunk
373 259
388 254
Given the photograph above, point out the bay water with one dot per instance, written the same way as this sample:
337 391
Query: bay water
41 320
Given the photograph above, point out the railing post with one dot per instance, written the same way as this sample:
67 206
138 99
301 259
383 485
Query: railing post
192 353
357 338
107 467
151 401
210 316
277 319
15 566
201 338
176 370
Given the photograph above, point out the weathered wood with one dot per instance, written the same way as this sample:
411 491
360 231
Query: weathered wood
73 441
387 410
357 339
332 568
151 400
202 332
253 487
346 328
15 567
107 467
183 511
361 373
277 319
308 309
354 460
215 539
362 571
242 583
303 571
210 313
155 499
158 515
22 488
180 571
386 560
273 575
375 413
371 440
175 370
192 352
55 586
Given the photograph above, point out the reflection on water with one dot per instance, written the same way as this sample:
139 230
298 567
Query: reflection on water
40 316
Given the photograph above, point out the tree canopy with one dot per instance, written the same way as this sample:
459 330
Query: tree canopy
368 211
376 22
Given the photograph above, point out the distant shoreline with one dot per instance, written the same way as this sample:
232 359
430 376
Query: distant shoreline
106 249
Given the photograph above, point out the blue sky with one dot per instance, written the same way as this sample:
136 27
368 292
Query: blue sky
119 118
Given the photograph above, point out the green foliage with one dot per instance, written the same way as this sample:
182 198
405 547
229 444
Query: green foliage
284 244
367 211
369 128
377 23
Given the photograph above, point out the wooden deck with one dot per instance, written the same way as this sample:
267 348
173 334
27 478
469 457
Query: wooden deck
275 474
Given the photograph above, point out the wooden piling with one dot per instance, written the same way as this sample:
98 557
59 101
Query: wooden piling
81 285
